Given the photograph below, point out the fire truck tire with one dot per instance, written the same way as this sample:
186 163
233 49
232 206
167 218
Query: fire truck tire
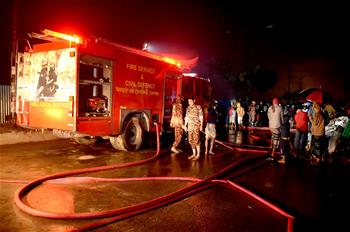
133 134
85 140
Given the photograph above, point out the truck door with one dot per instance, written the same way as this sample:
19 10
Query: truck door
172 89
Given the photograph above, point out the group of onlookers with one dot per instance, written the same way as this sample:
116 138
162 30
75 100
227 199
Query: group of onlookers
313 137
251 115
318 130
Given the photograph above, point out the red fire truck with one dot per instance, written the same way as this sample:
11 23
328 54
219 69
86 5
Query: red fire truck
96 88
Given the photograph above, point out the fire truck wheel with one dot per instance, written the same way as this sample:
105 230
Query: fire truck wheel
85 140
133 135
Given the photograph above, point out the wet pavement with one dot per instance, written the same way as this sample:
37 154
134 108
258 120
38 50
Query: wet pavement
315 196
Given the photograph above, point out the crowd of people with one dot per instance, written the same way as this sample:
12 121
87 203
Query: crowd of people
319 130
311 131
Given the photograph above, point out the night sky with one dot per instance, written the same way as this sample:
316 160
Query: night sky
211 30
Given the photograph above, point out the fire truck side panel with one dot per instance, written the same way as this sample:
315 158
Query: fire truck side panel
50 115
94 127
137 90
138 87
46 82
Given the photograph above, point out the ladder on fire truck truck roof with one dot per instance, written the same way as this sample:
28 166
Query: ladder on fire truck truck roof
139 52
182 64
44 37
54 36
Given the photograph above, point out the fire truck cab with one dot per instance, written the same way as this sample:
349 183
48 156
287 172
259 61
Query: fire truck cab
95 88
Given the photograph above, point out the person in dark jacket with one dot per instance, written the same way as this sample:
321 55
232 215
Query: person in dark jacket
285 137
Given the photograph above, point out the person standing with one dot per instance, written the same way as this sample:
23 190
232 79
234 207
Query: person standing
330 113
259 112
240 114
275 115
210 129
252 113
176 122
232 117
285 137
193 125
317 132
301 129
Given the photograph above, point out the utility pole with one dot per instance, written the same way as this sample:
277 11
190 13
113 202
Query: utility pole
14 59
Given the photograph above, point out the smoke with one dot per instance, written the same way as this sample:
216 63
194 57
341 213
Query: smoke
171 50
187 56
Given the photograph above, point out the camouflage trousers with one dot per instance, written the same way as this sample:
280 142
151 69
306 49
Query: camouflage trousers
193 137
178 136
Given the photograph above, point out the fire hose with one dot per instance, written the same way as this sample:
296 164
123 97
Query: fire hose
126 212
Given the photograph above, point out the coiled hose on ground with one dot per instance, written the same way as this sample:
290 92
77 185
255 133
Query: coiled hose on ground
126 212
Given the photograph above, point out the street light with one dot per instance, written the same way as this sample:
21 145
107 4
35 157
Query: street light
145 46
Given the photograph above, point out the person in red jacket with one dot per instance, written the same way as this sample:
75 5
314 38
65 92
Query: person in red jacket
301 121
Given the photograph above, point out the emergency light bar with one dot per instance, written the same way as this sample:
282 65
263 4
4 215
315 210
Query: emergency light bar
70 38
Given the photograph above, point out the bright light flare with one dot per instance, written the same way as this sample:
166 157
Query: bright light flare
182 57
172 61
145 47
190 74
